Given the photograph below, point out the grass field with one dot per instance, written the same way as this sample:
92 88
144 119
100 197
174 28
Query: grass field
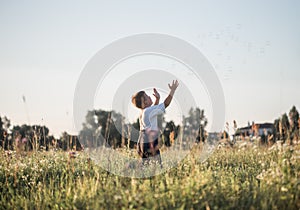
232 178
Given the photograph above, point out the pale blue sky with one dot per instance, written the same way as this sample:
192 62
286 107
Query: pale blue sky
254 46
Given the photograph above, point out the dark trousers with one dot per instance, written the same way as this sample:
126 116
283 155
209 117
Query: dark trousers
147 146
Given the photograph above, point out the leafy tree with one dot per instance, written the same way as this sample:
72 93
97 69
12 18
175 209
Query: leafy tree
36 136
133 130
195 123
277 130
294 126
102 128
69 142
4 130
1 132
170 129
284 127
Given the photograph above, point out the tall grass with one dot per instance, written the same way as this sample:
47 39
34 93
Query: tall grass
247 178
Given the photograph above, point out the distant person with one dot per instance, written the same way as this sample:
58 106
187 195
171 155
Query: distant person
147 145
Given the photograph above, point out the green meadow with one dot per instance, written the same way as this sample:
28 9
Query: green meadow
248 177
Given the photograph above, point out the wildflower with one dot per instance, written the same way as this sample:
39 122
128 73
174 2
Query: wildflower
8 153
24 140
117 197
72 154
259 176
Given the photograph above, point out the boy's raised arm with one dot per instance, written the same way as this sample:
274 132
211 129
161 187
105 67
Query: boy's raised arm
157 96
172 87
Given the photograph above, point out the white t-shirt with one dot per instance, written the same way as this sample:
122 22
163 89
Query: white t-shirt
148 118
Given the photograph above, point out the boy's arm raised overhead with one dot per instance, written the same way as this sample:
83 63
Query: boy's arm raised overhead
157 96
172 87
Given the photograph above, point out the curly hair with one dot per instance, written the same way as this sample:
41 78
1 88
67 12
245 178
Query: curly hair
138 99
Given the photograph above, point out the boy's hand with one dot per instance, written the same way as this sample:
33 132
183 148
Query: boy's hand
157 96
174 85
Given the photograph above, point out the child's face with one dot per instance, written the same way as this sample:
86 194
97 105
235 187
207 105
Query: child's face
147 100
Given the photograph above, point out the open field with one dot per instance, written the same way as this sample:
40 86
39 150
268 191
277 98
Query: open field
232 178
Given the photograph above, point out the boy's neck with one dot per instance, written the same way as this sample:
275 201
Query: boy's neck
146 106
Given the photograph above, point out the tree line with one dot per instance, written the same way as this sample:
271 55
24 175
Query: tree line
101 128
108 128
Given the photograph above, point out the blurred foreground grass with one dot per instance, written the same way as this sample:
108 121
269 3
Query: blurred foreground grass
238 178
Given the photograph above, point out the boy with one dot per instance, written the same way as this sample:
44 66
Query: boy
147 144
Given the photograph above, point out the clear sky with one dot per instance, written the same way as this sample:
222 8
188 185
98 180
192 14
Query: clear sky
44 45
